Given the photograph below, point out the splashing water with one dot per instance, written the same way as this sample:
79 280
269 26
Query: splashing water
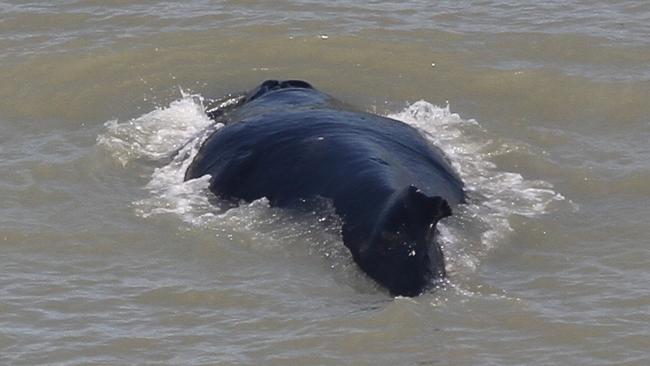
178 130
494 195
155 136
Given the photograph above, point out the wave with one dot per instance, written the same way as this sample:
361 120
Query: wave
170 137
494 195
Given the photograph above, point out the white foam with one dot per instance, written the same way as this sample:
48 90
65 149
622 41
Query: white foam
174 132
158 133
494 195
474 229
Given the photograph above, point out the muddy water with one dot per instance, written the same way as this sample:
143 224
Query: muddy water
109 258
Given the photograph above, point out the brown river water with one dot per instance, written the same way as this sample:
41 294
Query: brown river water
108 258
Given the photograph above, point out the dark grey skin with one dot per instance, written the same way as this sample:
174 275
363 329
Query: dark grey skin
291 143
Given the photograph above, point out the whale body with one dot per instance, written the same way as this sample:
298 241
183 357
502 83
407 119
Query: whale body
292 143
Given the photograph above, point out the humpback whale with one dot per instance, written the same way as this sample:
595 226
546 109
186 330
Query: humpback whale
291 143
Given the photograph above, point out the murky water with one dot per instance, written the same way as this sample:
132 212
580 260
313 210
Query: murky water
108 258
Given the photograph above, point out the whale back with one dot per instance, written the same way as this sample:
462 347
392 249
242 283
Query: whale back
291 143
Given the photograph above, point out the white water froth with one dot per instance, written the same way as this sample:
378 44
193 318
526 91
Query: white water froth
177 129
476 227
494 195
158 133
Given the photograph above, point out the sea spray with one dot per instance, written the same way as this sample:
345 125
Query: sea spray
168 138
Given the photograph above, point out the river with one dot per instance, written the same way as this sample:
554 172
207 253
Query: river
109 258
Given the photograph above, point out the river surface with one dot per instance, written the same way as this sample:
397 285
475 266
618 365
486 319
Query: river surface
108 258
